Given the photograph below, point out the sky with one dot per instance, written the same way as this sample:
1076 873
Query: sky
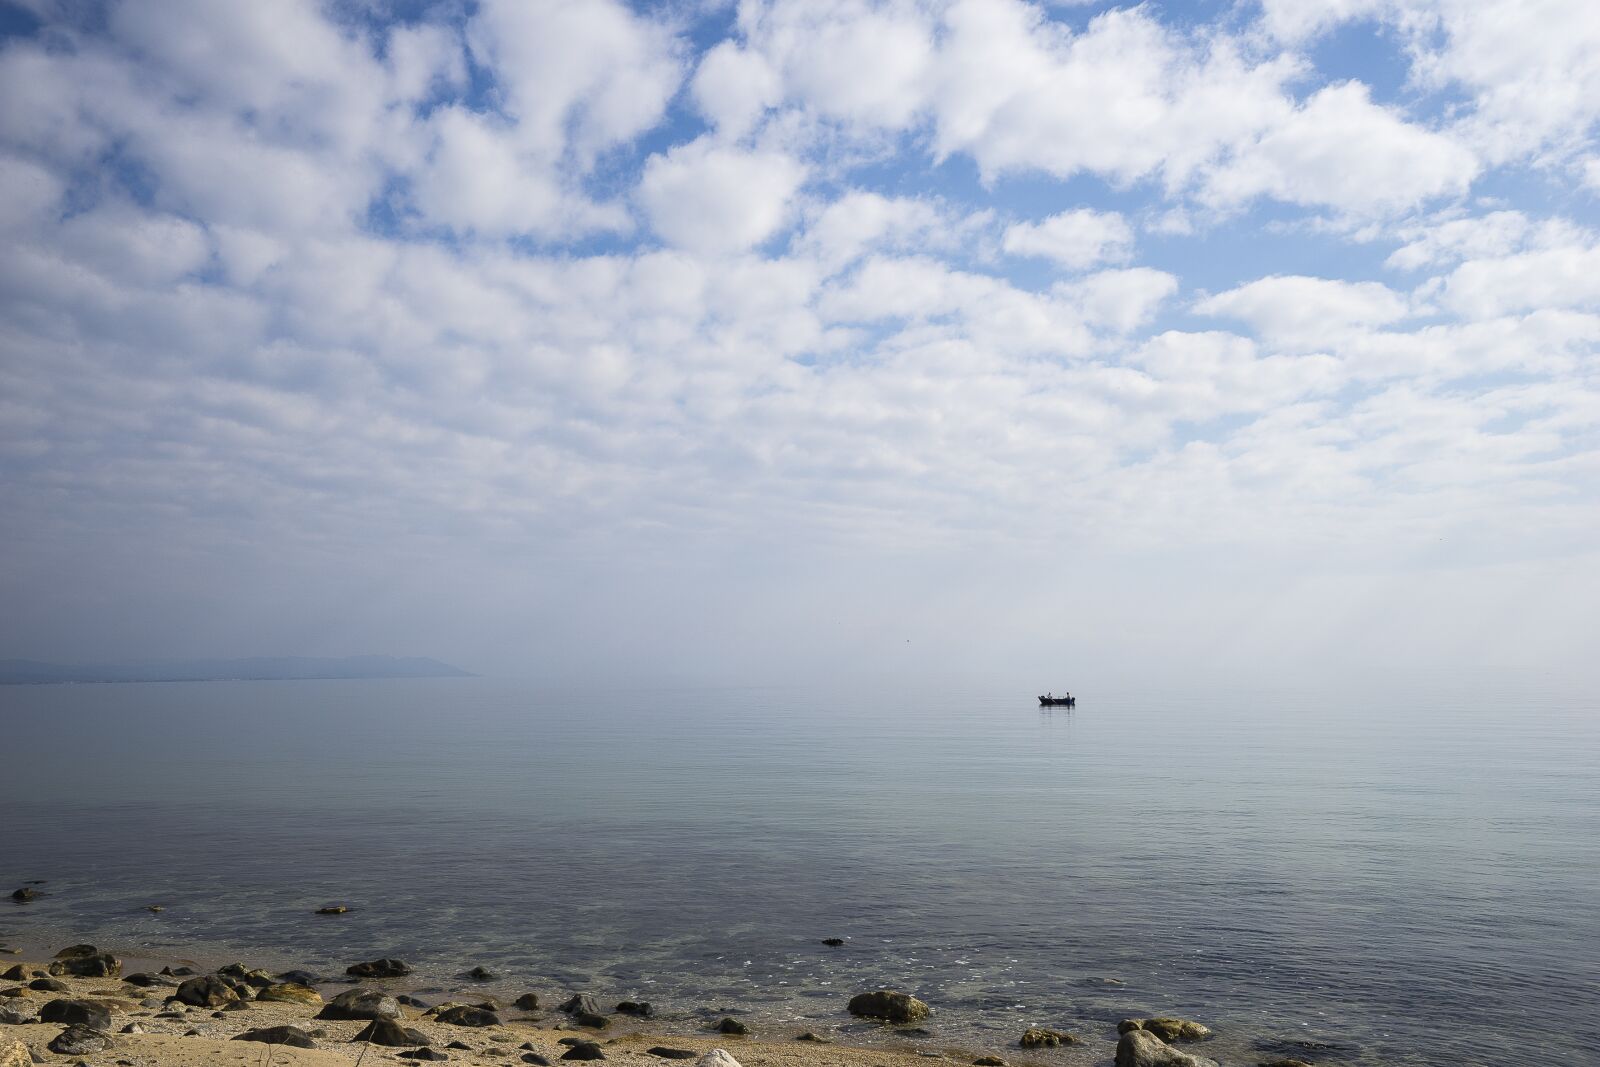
711 342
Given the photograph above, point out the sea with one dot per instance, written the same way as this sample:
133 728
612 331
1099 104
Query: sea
1386 871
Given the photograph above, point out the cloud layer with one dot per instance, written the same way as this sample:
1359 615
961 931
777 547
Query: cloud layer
578 333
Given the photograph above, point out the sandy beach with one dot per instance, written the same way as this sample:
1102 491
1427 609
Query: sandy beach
141 1017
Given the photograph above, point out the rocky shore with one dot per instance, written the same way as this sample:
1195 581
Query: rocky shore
83 1006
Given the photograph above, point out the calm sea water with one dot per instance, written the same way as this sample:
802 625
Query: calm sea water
1408 872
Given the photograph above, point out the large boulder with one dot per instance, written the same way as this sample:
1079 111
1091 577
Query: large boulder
289 993
391 1034
1167 1029
887 1004
93 965
384 968
1141 1048
292 1036
361 1004
205 991
468 1015
78 1040
85 1012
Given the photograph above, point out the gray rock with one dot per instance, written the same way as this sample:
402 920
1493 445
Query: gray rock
589 1019
580 1003
361 1004
84 1012
49 985
423 1054
527 1002
890 1005
718 1057
97 965
131 1028
468 1015
292 1036
1140 1048
78 1040
9 1017
536 1059
1167 1029
391 1034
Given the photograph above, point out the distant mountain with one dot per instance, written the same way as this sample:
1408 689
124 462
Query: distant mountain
260 668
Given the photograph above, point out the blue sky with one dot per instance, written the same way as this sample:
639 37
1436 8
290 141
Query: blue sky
741 341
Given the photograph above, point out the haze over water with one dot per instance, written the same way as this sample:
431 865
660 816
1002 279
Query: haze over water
1403 867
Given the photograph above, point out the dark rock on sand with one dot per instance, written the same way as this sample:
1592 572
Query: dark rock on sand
145 981
97 965
730 1025
527 1002
639 1009
205 991
1039 1037
672 1053
535 1058
78 951
289 993
459 1045
811 1036
24 895
292 1036
361 1004
988 1061
298 977
584 1050
481 974
15 973
389 1033
80 1041
833 942
589 1019
384 968
10 1017
48 985
580 1003
423 1054
1167 1029
178 972
1141 1048
84 1012
410 1001
890 1005
467 1015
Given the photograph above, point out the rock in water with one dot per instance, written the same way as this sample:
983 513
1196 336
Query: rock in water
481 974
467 1015
72 952
584 1050
15 1054
1168 1030
1039 1037
527 1002
890 1005
24 895
289 993
639 1009
732 1026
79 1040
292 1036
1140 1048
833 942
94 965
333 909
718 1057
384 968
361 1004
580 1003
391 1034
83 1012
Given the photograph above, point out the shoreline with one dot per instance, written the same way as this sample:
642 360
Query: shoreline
194 1035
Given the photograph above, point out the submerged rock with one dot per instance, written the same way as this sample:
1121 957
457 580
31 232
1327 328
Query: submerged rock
205 991
890 1005
1141 1048
481 974
79 1040
85 1012
1167 1029
292 1036
1039 1037
361 1004
391 1034
384 968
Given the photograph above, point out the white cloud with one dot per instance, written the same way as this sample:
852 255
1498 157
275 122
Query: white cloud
1343 151
1119 300
28 193
1431 244
1075 239
714 199
1306 312
1567 277
733 86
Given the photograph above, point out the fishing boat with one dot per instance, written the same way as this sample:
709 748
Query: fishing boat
1067 701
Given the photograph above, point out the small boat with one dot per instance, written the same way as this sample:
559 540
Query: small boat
1064 702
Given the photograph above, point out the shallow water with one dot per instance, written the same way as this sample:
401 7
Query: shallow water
1407 872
